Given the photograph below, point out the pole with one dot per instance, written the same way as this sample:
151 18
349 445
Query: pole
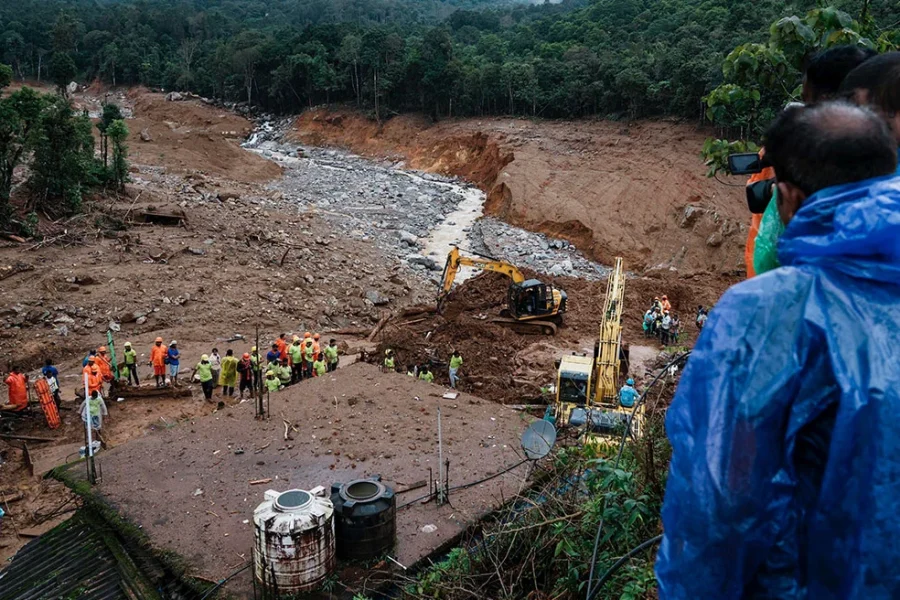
89 446
441 496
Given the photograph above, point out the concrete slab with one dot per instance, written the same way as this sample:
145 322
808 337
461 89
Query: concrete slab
190 492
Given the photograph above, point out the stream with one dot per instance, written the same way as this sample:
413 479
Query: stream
416 216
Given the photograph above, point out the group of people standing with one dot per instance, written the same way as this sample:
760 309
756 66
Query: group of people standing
424 371
660 322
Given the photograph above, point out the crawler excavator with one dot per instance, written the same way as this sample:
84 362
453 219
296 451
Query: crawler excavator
587 388
531 306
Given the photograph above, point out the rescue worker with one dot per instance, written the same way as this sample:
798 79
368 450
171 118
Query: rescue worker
94 377
158 354
411 370
91 353
425 374
309 356
103 363
784 472
256 369
666 305
628 395
130 360
388 361
273 384
273 356
51 374
282 345
665 328
245 370
702 316
316 347
98 411
295 351
215 361
283 371
203 370
331 355
456 362
173 360
649 322
319 366
124 374
17 387
228 378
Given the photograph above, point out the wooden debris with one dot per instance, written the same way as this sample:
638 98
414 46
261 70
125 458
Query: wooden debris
28 438
10 270
261 481
379 326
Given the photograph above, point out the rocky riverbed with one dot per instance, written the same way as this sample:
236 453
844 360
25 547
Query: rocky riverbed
412 215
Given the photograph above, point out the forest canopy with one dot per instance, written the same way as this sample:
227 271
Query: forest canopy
619 58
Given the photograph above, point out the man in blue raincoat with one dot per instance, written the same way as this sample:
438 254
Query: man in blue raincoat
785 474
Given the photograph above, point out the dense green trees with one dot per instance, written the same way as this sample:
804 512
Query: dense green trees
44 132
629 58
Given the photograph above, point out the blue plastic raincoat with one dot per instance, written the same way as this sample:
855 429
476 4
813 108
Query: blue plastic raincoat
785 476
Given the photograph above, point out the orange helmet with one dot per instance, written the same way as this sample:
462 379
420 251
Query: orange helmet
101 349
306 335
159 340
315 337
91 360
246 355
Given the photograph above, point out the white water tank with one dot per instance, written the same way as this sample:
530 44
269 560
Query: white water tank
293 540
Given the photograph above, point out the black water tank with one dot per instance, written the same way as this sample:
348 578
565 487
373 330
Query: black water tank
365 512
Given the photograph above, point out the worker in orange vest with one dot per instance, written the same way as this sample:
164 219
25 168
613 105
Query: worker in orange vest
158 354
282 344
103 363
316 348
666 305
94 375
17 383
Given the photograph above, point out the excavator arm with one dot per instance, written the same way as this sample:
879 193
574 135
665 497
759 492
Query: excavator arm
610 341
455 261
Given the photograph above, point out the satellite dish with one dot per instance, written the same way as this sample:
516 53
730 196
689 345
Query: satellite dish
538 439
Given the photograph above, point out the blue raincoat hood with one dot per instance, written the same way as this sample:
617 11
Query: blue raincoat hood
785 474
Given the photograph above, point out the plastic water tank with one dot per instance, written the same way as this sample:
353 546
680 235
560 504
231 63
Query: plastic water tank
293 540
365 518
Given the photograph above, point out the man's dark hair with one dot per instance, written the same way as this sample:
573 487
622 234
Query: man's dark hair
827 69
829 144
880 76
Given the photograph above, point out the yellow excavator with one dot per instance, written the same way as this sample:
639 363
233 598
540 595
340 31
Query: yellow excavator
587 388
531 305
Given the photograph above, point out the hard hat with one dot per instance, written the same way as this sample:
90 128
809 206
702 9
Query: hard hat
173 343
306 335
656 297
128 344
101 349
270 374
315 337
91 360
388 351
159 339
204 357
296 338
630 381
253 349
246 355
308 342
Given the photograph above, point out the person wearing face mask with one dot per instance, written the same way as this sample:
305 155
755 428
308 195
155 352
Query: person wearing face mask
785 466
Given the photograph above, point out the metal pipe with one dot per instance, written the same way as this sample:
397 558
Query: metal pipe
89 447
441 496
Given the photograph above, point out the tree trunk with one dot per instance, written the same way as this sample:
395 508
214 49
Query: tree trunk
40 61
375 79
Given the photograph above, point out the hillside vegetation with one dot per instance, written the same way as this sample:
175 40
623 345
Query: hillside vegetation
629 58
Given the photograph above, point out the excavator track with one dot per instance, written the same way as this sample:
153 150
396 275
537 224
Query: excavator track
527 327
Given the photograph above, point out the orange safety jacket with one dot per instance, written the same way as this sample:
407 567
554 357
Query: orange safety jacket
18 392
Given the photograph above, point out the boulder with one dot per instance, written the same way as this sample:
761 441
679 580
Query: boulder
715 240
174 97
145 135
377 298
408 237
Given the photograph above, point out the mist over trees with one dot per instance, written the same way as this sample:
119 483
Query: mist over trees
621 58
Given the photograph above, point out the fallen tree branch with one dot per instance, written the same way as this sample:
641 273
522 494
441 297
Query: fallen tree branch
379 327
9 271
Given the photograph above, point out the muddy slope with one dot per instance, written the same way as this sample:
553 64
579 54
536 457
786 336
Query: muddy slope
636 190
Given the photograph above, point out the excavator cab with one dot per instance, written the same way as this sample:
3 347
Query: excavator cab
533 299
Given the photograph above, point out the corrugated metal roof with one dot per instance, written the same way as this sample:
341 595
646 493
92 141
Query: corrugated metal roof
72 561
